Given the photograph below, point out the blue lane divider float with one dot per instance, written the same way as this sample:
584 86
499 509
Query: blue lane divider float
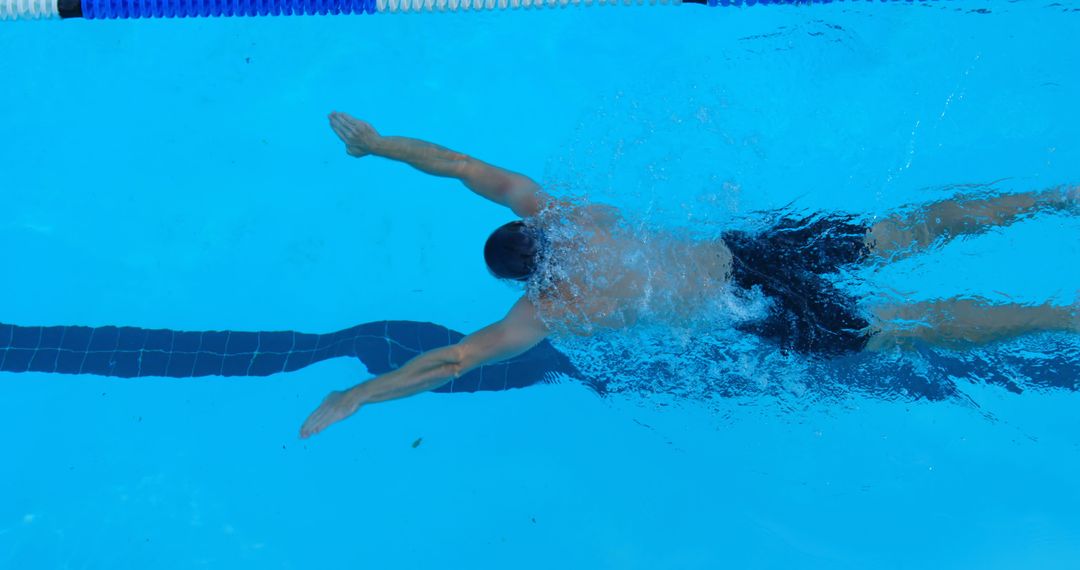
129 9
382 346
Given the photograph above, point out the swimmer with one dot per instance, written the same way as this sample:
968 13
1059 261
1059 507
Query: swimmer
628 273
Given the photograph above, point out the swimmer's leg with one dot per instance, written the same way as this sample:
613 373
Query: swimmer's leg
958 323
909 232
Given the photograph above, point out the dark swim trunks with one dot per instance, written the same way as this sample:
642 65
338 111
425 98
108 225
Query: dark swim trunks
789 262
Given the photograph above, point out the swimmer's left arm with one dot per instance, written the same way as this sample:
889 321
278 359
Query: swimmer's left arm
515 191
518 331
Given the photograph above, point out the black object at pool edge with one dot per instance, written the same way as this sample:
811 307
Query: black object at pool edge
69 8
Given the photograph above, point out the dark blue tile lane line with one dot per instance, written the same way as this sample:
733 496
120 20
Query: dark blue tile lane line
382 346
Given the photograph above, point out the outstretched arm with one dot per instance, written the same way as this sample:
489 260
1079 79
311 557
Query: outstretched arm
515 191
517 332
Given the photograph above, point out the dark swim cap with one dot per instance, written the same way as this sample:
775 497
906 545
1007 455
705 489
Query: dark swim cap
512 251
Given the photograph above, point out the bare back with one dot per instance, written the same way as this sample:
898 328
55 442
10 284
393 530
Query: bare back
602 273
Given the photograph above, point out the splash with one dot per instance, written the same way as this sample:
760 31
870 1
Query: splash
688 346
601 272
728 365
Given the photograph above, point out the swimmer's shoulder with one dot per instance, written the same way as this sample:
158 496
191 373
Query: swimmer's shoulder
590 213
604 214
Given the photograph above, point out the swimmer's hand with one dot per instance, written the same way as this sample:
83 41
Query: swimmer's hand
359 137
337 406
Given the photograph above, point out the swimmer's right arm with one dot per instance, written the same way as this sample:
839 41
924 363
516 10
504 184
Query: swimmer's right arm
515 191
518 331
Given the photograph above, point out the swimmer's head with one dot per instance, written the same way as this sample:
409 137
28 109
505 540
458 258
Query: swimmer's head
513 251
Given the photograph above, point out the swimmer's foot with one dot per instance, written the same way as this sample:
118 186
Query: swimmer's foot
334 408
359 137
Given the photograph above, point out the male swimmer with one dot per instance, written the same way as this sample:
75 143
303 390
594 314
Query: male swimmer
627 278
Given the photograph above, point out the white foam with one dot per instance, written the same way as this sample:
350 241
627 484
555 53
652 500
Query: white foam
632 275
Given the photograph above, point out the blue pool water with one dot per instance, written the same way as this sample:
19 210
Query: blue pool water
180 175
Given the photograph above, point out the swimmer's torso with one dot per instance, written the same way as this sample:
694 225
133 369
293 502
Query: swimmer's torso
600 272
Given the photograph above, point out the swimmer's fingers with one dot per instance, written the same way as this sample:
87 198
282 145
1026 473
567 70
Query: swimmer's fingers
340 126
334 408
356 134
319 420
350 127
315 423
